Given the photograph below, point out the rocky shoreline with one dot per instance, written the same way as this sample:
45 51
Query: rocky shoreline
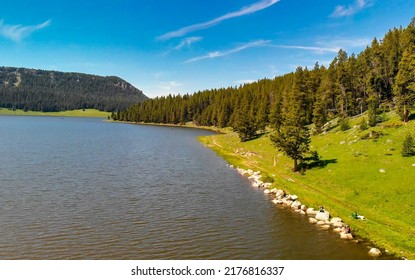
320 218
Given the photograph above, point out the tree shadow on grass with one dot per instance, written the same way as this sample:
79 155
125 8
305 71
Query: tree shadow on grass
315 162
321 163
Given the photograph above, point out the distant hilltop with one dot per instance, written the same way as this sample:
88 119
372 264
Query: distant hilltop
52 91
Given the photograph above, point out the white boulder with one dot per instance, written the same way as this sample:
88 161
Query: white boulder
312 221
323 216
277 201
348 236
296 205
311 211
335 220
293 197
337 224
288 202
280 193
325 227
375 252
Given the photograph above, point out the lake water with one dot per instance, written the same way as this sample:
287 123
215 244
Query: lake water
73 188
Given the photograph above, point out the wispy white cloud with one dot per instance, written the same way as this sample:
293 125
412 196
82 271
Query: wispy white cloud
310 48
187 42
345 44
263 4
216 54
358 5
18 32
331 46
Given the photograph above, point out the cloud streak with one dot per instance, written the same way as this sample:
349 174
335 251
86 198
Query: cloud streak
258 6
343 11
217 54
310 48
18 32
329 47
187 42
345 44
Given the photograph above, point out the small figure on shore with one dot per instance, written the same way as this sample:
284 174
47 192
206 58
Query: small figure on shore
347 229
322 209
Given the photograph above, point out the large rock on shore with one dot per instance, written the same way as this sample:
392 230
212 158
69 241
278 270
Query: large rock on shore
312 221
337 224
267 185
277 201
335 220
296 205
344 235
280 193
325 227
375 252
311 211
323 216
293 197
287 202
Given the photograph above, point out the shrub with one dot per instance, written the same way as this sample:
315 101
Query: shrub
268 179
408 146
344 124
363 125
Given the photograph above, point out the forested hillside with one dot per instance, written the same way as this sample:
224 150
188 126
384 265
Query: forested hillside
379 79
51 91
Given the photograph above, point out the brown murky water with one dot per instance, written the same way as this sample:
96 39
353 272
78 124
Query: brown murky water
84 189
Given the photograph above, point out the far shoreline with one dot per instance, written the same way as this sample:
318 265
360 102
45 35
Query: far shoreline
186 125
80 113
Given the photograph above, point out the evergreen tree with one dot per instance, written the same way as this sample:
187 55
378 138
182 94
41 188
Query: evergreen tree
373 105
408 146
293 136
404 87
363 125
244 123
344 123
263 112
319 113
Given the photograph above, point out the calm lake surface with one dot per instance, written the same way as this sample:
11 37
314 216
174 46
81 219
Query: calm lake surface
77 188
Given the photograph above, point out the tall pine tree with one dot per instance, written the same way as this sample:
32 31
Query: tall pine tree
293 137
404 87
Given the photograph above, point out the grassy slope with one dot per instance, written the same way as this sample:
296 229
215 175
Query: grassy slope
73 113
352 183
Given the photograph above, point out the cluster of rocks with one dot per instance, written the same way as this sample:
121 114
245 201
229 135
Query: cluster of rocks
255 178
319 217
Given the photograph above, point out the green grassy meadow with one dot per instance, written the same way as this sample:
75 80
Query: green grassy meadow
349 182
92 113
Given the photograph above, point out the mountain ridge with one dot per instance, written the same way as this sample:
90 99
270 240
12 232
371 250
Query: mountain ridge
53 91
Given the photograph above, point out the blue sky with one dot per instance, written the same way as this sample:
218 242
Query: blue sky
182 46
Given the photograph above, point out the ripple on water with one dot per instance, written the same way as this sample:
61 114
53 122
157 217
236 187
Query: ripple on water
84 189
